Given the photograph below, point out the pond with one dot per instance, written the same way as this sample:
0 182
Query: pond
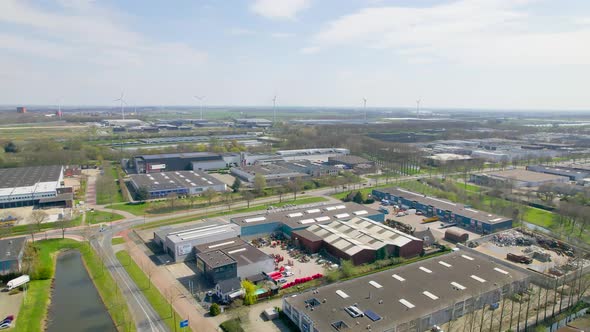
76 304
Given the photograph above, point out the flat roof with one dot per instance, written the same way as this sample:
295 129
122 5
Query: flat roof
237 249
349 159
300 217
175 234
215 258
29 176
526 176
269 170
174 180
405 293
179 155
443 204
11 248
356 234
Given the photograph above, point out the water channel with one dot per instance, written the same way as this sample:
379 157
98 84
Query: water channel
75 303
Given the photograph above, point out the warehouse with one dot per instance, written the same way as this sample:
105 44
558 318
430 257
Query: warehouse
519 178
272 173
413 297
179 242
572 173
439 159
290 219
11 254
360 240
34 186
230 258
466 217
253 123
181 183
355 163
154 163
312 169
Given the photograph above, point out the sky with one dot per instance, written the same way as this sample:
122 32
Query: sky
489 54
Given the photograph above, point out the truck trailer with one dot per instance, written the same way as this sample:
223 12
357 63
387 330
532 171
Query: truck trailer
17 282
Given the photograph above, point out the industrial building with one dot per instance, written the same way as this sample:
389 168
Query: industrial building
518 177
179 242
355 163
463 216
181 183
155 163
439 159
34 186
291 219
572 172
360 240
252 123
274 174
230 258
11 254
123 123
313 169
411 298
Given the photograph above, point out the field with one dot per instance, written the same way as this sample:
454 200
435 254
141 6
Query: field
97 217
33 311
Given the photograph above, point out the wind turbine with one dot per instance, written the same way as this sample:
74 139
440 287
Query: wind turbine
200 99
365 107
122 102
274 109
59 108
418 108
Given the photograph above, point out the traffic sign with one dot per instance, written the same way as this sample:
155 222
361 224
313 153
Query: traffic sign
184 323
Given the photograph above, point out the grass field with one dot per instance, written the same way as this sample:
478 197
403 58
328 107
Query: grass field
97 217
263 207
117 240
539 217
33 312
156 299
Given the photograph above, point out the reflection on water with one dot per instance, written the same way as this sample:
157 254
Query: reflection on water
75 304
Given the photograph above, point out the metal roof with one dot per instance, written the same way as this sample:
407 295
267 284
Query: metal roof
30 177
174 180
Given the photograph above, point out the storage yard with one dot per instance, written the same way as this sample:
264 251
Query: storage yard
529 250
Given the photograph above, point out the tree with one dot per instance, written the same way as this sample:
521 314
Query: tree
358 198
280 191
210 194
171 294
250 292
63 224
248 196
259 184
32 229
39 217
236 185
294 187
214 309
228 199
142 194
347 268
172 198
10 147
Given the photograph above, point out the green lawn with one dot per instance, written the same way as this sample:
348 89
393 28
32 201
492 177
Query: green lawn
539 217
96 217
34 310
263 207
117 240
137 209
156 299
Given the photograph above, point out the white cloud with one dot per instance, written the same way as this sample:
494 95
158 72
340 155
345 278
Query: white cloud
79 30
282 34
279 9
466 31
310 50
582 20
240 32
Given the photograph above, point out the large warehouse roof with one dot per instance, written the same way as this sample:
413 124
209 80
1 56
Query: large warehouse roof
404 294
446 205
180 155
360 233
198 232
526 176
173 180
28 176
315 214
235 248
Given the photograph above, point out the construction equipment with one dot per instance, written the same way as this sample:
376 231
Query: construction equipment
519 258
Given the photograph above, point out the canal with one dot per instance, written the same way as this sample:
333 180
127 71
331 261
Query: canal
75 303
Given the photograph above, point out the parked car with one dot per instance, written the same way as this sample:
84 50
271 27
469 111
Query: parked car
282 281
288 274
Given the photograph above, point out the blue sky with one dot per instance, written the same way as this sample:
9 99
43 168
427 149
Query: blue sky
509 54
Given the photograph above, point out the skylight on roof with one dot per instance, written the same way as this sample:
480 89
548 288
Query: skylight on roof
306 221
313 211
375 284
458 285
294 215
255 219
398 277
445 264
360 213
467 257
407 303
425 269
478 278
500 270
237 250
342 294
430 295
324 218
342 215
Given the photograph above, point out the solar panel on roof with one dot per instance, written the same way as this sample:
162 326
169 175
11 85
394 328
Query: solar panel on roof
372 315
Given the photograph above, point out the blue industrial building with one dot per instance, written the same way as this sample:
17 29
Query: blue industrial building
288 220
477 221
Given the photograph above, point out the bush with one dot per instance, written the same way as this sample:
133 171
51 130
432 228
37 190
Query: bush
42 273
214 310
14 291
232 325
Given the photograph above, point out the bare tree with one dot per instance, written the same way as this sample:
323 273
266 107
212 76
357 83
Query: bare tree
171 294
228 199
248 196
210 194
39 217
64 224
172 198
